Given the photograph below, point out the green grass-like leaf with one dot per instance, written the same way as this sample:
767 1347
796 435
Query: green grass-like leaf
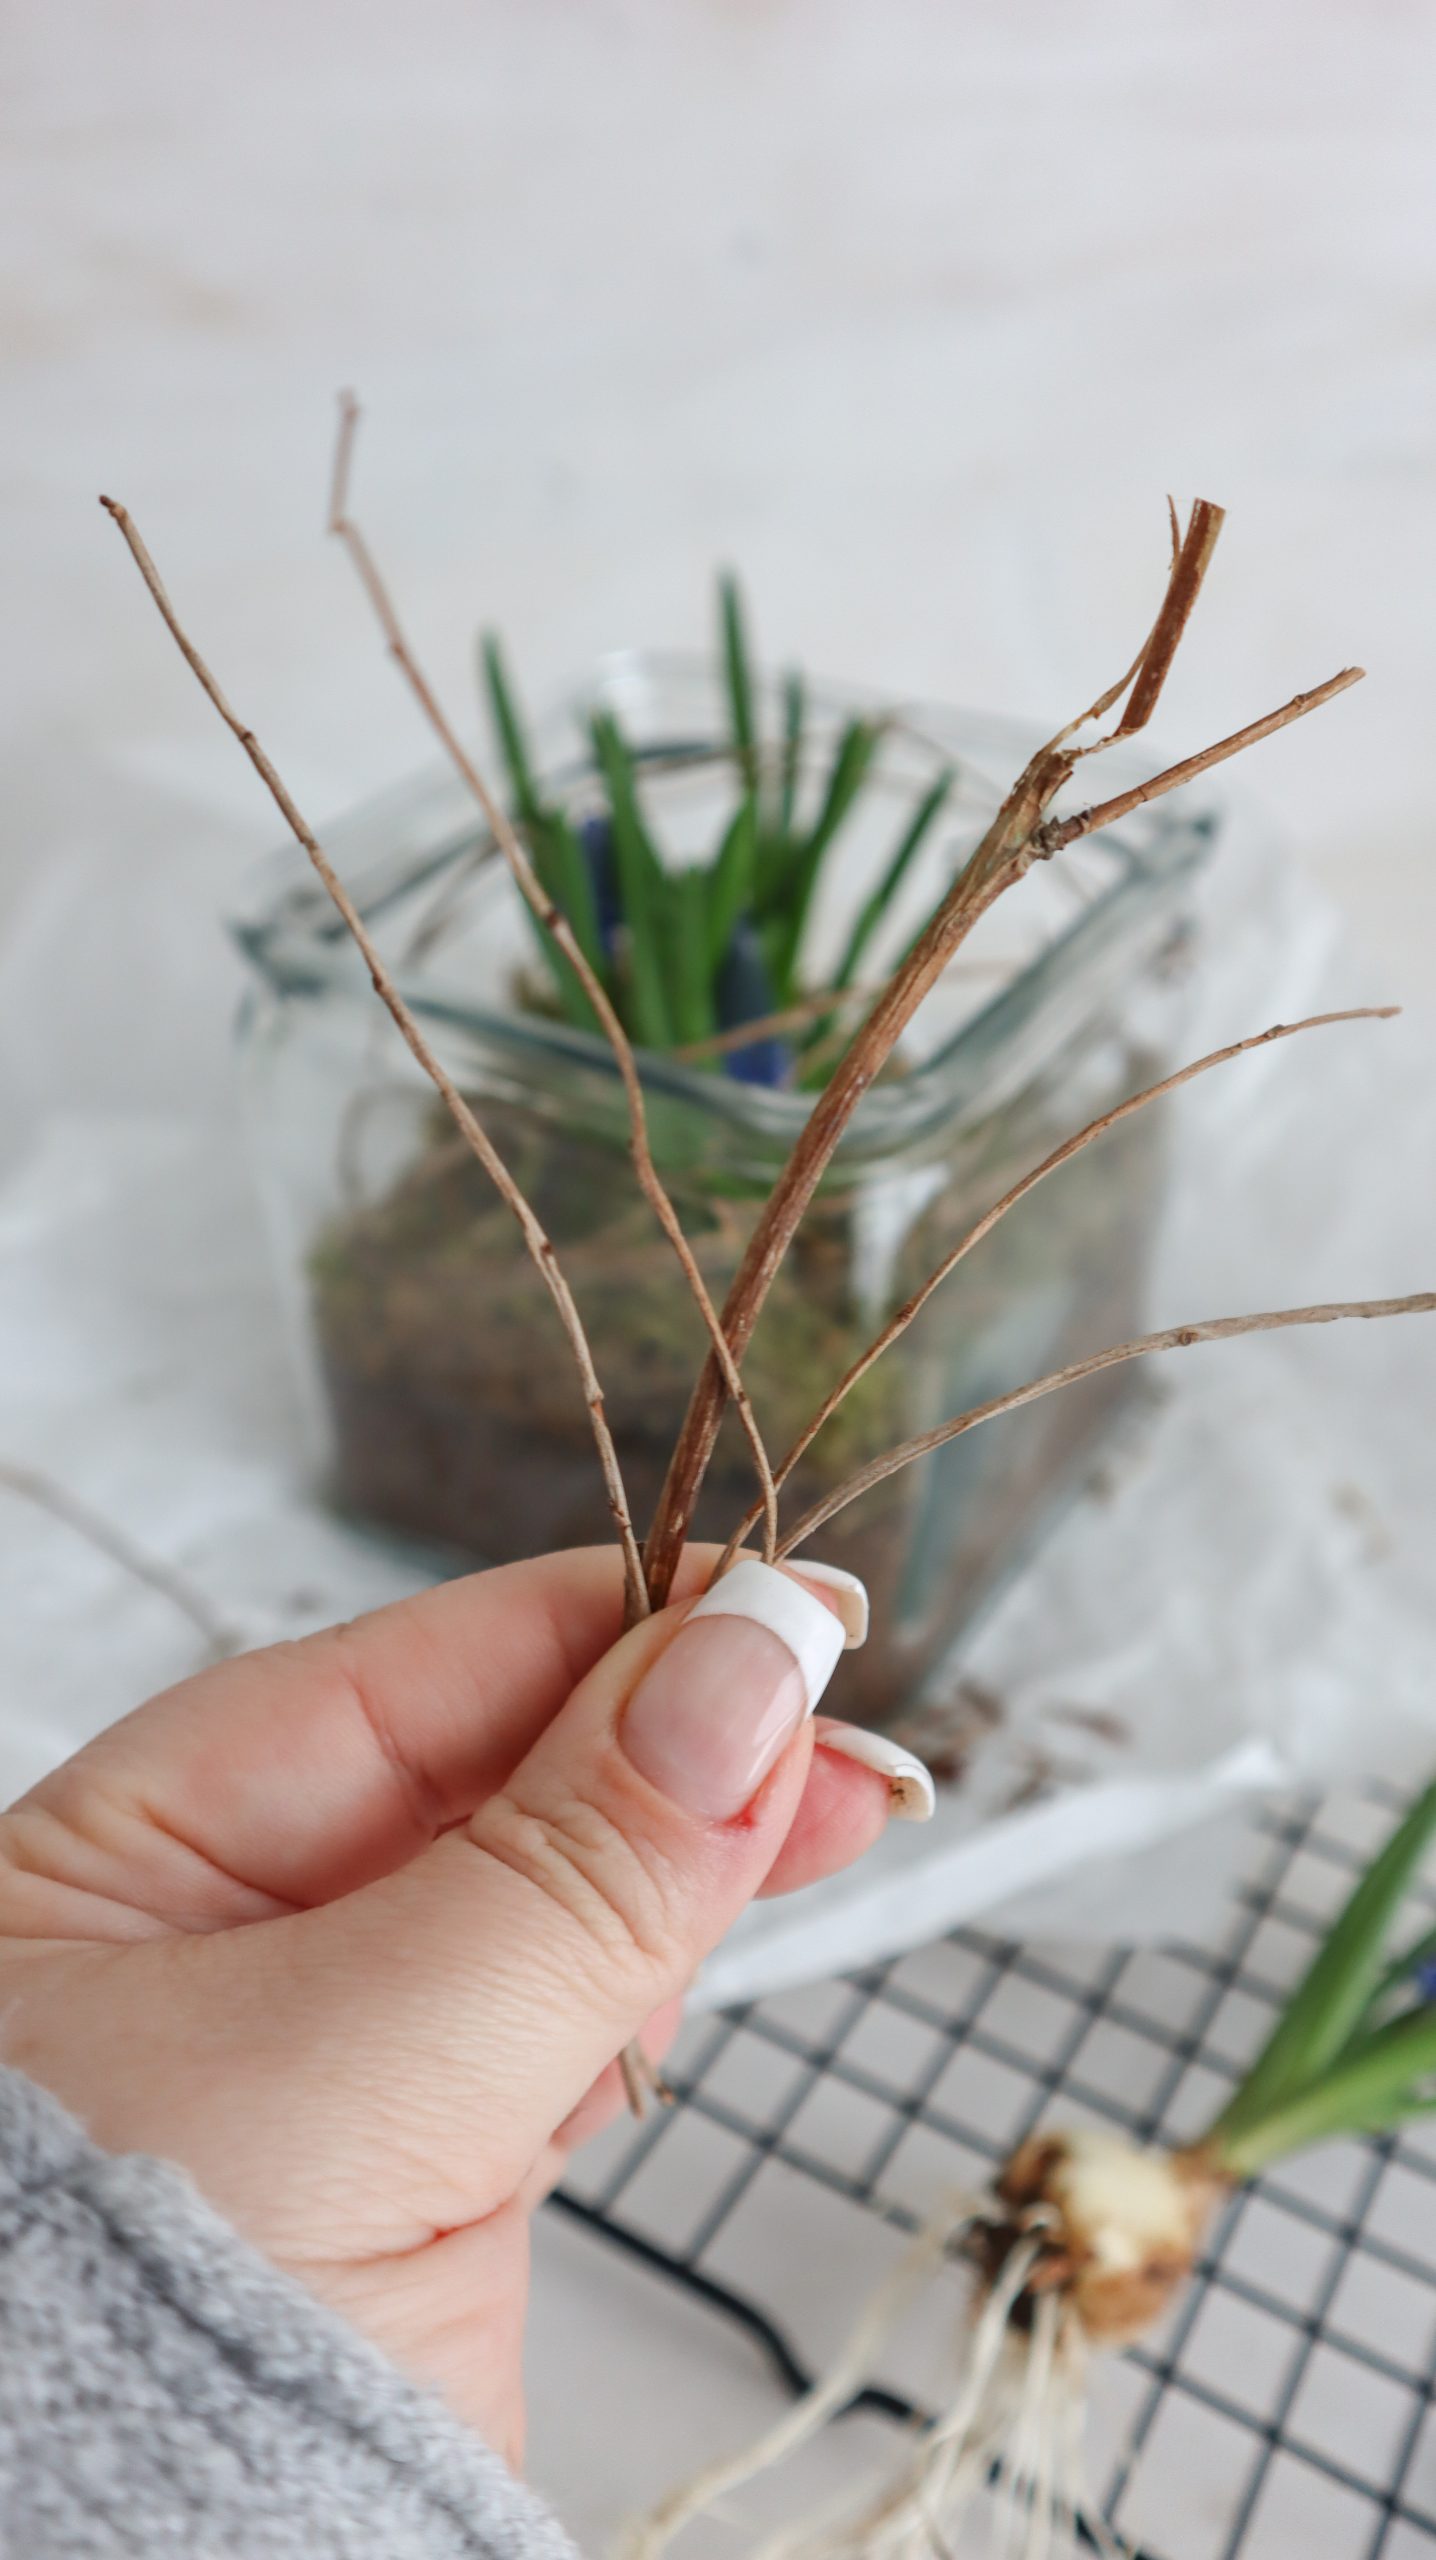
661 968
1329 2005
852 760
562 870
732 880
643 886
737 668
509 730
556 852
691 983
909 843
1377 2084
1402 1968
791 764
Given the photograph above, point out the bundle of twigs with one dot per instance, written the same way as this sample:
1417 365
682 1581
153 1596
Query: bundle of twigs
1023 832
1061 2205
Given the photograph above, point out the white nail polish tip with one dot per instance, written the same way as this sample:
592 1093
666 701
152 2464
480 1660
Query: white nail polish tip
910 1784
813 1634
849 1594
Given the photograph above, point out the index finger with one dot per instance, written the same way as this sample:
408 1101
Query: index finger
281 1779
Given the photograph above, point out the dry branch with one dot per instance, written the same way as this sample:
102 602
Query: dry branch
771 1026
898 1323
1015 840
1178 1337
91 1525
1005 853
1214 517
552 918
539 1246
1189 569
1083 822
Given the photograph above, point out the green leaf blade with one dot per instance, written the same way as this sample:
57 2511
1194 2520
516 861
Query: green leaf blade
555 851
1329 2004
738 672
852 762
790 770
691 991
1377 2084
643 887
733 877
909 845
509 730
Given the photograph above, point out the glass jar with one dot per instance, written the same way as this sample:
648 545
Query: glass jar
446 1404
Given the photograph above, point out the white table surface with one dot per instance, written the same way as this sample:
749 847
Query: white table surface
915 311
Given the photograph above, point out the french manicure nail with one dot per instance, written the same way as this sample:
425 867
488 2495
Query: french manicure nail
911 1792
720 1705
850 1596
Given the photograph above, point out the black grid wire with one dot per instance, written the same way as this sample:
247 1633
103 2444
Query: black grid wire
1286 2405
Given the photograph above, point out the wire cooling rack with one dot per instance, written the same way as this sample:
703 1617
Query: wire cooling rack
1284 2412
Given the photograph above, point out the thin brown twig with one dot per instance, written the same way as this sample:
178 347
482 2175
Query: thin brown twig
1114 692
1175 1338
554 921
540 1247
898 1323
642 2079
769 1026
1189 570
1005 853
1013 842
46 1494
1083 822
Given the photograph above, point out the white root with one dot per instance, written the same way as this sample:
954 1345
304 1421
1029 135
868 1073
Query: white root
810 2414
1082 2243
952 2455
1080 2497
1031 2464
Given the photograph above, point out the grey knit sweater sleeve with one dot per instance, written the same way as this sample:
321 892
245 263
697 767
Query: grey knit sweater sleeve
164 2392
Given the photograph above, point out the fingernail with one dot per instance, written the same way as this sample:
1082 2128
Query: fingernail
850 1596
746 1668
912 1795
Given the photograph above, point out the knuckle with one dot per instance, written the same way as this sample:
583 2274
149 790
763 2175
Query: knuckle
615 1889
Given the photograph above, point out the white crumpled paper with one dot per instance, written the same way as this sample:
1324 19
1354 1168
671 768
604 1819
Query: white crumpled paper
1245 1599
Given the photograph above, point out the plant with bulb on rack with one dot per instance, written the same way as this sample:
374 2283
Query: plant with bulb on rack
1083 2242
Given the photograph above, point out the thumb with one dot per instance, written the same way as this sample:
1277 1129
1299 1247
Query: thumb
491 1980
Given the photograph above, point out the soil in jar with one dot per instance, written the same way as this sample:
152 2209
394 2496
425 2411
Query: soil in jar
457 1416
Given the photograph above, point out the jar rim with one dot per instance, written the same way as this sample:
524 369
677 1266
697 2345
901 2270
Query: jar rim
410 836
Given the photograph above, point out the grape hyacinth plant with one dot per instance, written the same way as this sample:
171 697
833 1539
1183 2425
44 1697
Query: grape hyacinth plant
690 954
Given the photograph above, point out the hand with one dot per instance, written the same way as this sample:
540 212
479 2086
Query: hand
353 1929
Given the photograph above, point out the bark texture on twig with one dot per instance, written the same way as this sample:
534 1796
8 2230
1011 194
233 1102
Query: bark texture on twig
539 1246
1083 822
1005 853
771 1026
1190 564
32 1486
1178 1337
554 921
898 1323
1015 840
